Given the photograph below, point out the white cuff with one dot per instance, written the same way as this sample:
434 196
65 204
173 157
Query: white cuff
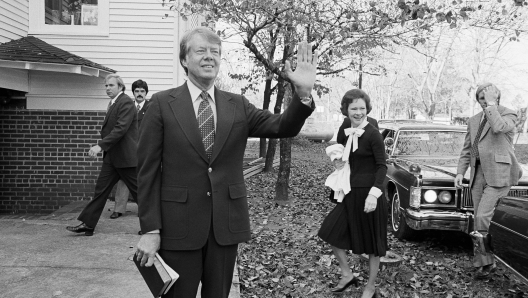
306 100
375 192
154 232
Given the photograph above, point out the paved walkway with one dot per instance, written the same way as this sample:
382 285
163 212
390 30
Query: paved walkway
39 258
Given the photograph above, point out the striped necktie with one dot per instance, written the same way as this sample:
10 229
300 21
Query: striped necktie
474 148
206 124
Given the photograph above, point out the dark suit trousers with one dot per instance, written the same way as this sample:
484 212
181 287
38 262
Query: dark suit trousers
213 264
108 177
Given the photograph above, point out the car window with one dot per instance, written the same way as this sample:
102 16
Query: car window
429 143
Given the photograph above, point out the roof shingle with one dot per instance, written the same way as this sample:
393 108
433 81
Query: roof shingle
33 49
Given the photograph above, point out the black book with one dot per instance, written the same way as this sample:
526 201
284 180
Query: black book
159 277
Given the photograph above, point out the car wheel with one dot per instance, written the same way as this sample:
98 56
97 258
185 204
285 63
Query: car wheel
400 229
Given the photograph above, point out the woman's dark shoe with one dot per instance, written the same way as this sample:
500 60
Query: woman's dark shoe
485 271
354 281
375 295
81 228
115 215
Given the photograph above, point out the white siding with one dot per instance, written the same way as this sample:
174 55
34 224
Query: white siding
16 79
140 45
13 19
65 91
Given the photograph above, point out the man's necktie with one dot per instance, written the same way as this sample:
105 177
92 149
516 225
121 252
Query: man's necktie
109 105
474 148
138 107
206 124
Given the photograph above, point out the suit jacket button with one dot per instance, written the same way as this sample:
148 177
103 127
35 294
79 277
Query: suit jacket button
208 194
210 170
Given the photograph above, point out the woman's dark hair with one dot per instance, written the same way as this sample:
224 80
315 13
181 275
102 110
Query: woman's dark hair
350 96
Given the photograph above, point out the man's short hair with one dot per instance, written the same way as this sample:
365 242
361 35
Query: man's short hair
119 80
352 95
140 84
205 32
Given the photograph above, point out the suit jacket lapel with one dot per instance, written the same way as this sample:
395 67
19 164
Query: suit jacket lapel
485 130
111 109
475 123
143 110
182 107
225 112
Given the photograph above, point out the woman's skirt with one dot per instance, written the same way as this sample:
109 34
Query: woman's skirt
348 227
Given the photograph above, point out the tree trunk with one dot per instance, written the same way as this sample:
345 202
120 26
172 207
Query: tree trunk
270 155
360 79
265 106
283 177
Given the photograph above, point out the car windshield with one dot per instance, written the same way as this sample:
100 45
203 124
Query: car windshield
429 143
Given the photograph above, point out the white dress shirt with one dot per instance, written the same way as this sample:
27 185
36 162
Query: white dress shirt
114 99
141 104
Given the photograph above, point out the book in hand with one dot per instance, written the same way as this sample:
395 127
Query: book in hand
159 277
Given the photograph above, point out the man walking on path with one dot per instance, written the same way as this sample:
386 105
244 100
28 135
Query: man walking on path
119 135
192 196
488 149
140 91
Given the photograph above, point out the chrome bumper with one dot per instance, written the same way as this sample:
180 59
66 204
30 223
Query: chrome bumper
438 220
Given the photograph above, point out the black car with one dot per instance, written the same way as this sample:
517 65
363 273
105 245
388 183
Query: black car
509 234
422 159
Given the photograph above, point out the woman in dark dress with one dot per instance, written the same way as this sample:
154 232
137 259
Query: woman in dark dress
359 223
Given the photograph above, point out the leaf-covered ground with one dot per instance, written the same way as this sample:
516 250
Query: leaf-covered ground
285 258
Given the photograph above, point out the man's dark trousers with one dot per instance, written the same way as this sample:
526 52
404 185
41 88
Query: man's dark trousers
206 264
108 177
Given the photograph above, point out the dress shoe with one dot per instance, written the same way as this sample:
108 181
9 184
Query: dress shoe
375 295
140 233
354 281
485 271
81 228
115 215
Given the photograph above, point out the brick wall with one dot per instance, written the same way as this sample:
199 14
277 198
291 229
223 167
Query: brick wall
43 158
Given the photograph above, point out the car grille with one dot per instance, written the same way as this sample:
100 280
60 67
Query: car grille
467 202
518 192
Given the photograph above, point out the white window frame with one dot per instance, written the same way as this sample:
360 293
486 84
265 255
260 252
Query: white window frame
37 24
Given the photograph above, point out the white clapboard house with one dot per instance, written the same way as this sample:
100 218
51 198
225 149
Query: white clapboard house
54 56
130 37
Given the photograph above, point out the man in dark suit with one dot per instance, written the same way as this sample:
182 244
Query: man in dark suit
488 151
119 135
140 91
194 210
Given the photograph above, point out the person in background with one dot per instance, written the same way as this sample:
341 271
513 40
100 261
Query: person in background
488 150
119 136
140 91
359 222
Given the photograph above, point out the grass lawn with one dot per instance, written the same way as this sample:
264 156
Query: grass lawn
285 258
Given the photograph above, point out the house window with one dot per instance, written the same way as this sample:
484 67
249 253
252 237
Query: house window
69 17
76 13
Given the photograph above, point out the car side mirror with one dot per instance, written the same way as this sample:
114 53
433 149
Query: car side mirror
388 142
